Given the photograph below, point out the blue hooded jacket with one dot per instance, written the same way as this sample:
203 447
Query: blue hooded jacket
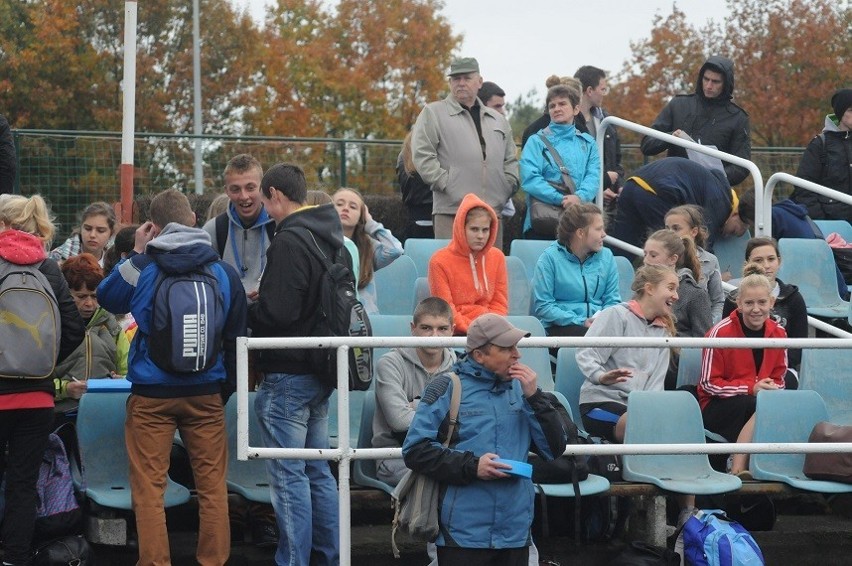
494 416
131 287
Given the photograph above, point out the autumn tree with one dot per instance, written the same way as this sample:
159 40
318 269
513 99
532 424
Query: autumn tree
789 56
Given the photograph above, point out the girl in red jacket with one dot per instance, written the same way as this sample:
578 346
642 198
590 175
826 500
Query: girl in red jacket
732 377
470 273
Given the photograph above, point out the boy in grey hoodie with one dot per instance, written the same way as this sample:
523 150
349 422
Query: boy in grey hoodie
401 376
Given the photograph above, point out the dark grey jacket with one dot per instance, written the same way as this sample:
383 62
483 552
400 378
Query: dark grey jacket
710 121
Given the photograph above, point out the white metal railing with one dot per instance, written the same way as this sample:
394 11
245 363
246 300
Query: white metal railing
756 175
796 182
345 453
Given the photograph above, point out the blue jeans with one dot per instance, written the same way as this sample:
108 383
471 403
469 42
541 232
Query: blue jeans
293 413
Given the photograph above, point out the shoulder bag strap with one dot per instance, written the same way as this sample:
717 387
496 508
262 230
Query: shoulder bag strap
455 402
566 177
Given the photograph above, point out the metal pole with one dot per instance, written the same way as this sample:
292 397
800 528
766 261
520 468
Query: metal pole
196 90
128 119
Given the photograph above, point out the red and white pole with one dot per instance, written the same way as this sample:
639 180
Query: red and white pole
128 121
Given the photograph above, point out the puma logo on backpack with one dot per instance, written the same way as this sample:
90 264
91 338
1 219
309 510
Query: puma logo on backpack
30 324
187 320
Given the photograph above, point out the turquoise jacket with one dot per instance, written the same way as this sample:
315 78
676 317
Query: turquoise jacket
567 291
580 155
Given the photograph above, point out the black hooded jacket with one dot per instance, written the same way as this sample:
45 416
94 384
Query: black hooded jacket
288 302
710 121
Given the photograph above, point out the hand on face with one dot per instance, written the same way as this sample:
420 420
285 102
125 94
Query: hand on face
526 376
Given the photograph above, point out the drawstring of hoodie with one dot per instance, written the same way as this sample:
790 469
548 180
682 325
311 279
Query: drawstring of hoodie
476 275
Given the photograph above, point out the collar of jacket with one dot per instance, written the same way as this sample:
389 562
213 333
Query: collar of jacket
468 366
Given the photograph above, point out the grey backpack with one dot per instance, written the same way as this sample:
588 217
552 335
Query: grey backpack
30 325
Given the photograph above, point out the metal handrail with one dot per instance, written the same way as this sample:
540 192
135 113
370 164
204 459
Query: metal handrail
796 182
644 130
344 453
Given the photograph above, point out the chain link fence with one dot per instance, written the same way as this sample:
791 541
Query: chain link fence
73 169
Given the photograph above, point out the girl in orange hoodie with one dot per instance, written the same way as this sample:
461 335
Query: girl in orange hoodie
470 273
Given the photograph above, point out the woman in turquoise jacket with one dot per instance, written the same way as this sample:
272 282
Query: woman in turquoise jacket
578 152
576 277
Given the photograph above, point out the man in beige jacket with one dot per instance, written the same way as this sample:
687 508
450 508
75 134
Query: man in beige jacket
448 157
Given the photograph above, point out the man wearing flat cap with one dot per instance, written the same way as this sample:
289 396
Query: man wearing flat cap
461 146
486 509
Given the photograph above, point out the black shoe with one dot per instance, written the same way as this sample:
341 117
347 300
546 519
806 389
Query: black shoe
264 534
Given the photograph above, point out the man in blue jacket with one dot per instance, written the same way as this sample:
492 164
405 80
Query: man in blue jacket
161 400
485 513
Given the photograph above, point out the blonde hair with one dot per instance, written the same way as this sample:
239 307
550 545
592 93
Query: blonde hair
30 215
681 246
755 276
217 206
407 157
653 275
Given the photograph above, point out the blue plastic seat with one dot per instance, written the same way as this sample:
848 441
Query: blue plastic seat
827 373
395 286
789 416
421 290
248 478
520 290
103 453
689 366
842 227
420 250
569 379
364 471
626 273
356 404
730 251
592 485
536 358
528 251
670 417
809 264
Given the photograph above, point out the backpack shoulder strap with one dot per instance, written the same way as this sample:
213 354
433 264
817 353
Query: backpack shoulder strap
221 232
311 244
455 402
270 230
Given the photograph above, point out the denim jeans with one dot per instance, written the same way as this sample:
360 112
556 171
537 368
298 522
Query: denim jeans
293 413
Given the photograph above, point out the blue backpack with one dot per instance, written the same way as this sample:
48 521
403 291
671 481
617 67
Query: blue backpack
57 510
710 538
187 321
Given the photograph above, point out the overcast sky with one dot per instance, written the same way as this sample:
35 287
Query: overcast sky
520 43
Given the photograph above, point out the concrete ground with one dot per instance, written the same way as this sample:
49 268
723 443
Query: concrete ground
822 537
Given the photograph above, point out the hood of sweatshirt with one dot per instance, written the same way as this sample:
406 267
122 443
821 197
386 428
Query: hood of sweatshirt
21 248
181 249
720 65
459 245
794 208
323 221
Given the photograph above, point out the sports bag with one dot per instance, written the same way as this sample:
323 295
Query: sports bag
830 467
57 510
415 498
710 538
30 324
187 320
65 551
341 314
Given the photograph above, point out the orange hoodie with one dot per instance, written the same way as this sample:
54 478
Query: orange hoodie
473 283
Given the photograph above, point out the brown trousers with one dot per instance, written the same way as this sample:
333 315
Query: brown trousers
149 432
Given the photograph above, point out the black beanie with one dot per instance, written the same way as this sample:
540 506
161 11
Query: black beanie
841 101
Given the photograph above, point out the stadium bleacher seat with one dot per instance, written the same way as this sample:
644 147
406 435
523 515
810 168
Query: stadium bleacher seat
520 289
689 366
670 417
789 416
100 437
246 478
626 274
827 373
528 251
395 286
809 264
842 227
569 379
364 471
420 250
421 289
730 251
536 358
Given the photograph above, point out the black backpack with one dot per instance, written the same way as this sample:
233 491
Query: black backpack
187 320
340 314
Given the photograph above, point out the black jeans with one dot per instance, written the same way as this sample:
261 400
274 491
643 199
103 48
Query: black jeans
24 432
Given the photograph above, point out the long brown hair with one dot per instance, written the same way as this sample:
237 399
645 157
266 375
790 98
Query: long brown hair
683 247
362 240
